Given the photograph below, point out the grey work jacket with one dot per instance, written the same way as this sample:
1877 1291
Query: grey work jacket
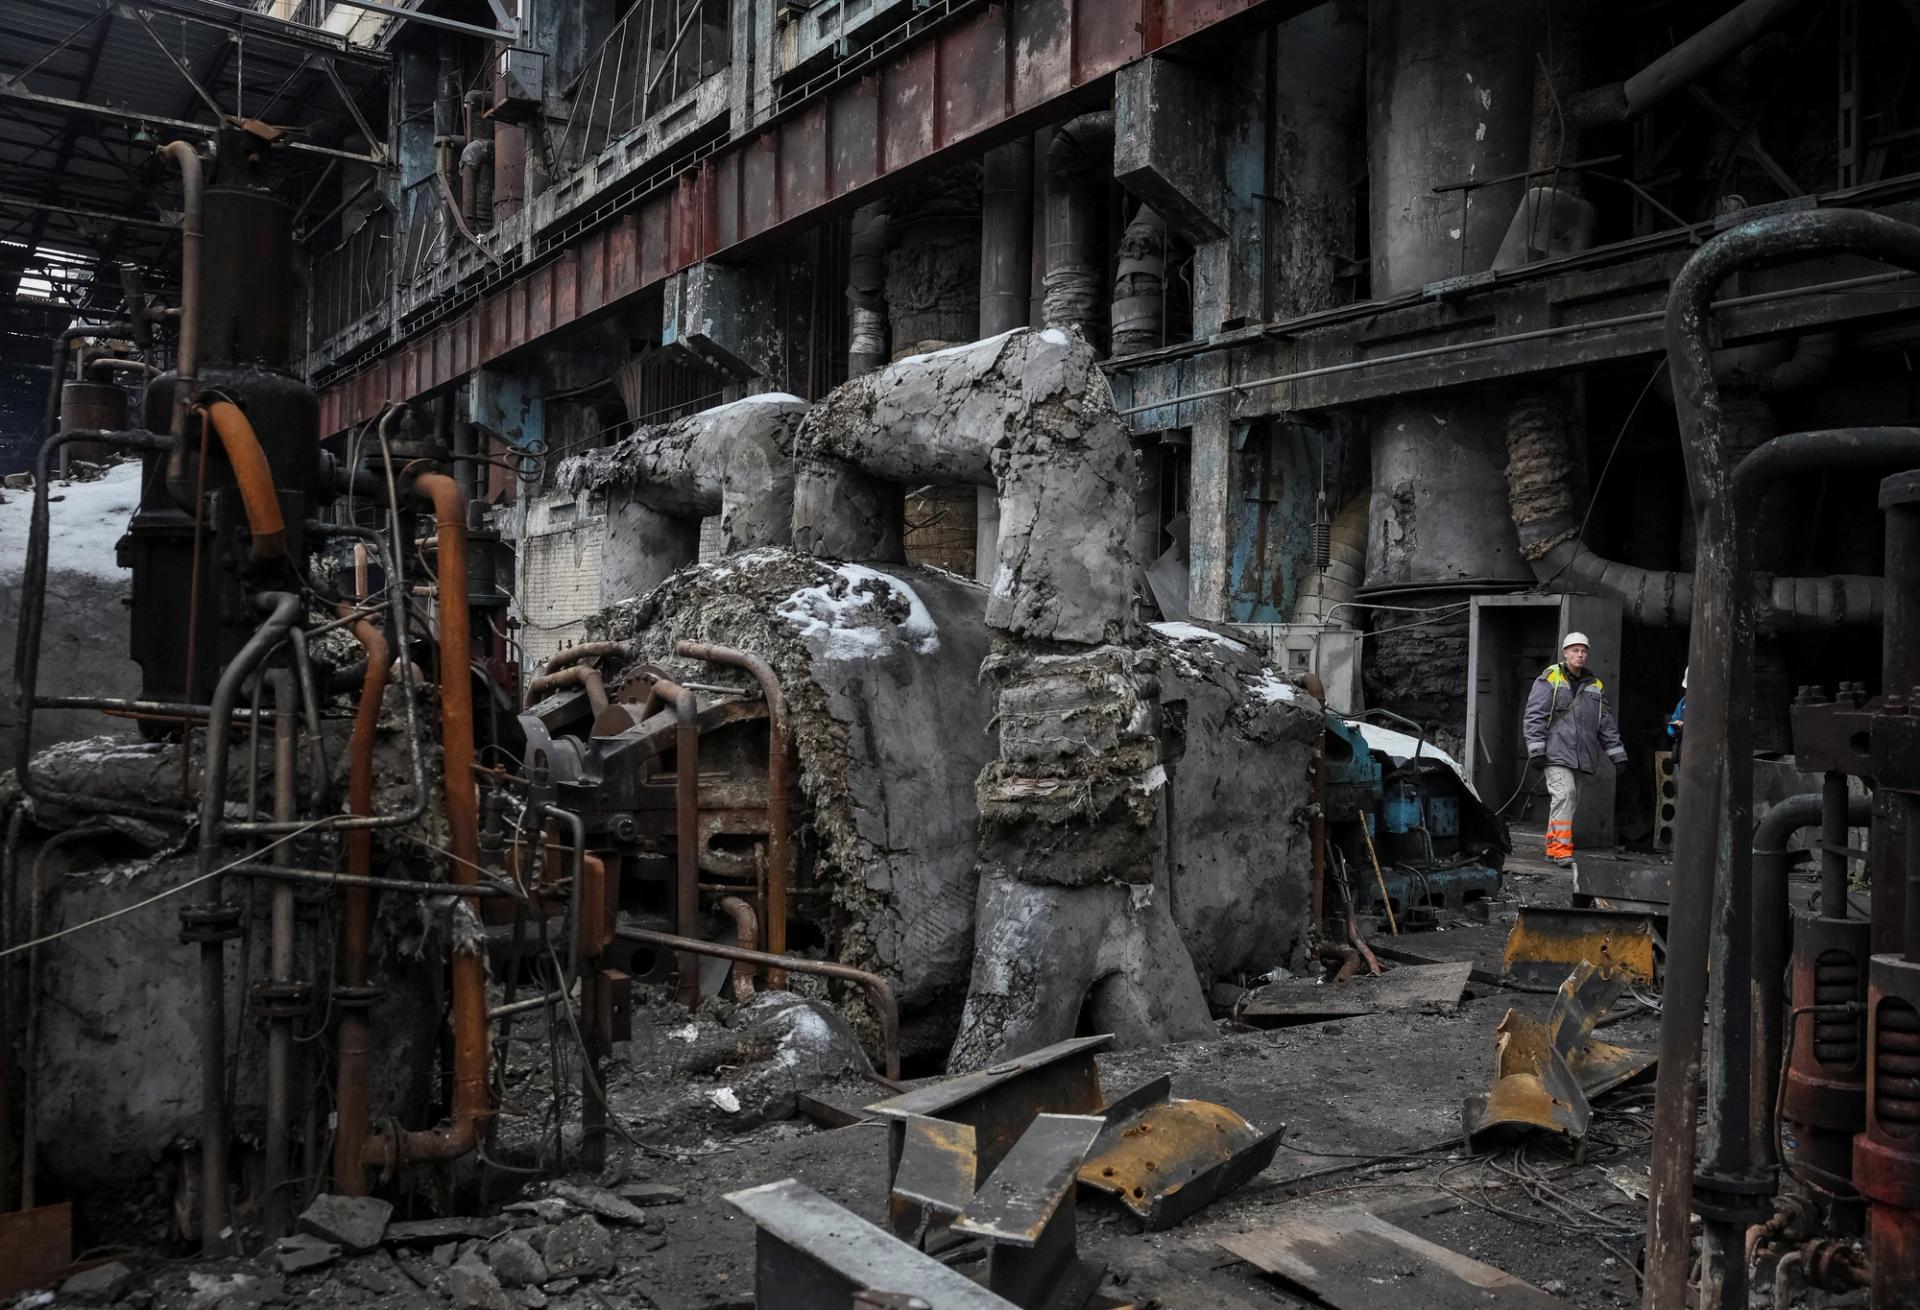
1569 721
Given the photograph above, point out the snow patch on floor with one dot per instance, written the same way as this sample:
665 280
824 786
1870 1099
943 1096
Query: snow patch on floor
84 524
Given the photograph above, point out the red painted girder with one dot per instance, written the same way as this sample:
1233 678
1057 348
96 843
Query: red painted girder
1008 61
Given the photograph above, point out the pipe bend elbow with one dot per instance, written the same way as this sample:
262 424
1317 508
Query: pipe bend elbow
254 474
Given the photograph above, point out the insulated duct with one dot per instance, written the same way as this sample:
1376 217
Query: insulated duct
867 290
1079 165
1539 457
1339 581
1139 284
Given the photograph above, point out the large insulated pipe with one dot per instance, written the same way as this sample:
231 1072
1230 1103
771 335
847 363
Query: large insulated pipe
779 803
1006 292
1079 166
1540 501
213 921
353 1084
1138 314
867 290
1681 66
1721 633
470 1099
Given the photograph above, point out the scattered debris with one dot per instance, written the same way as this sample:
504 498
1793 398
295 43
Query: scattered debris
355 1224
101 1283
515 1263
1547 941
579 1248
303 1253
648 1194
598 1201
1422 989
1353 1260
1166 1158
812 1249
475 1287
1024 1213
455 1228
1546 1074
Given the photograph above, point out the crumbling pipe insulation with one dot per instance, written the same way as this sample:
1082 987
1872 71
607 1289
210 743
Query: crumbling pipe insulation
733 460
1079 166
867 290
1540 497
1139 285
1326 589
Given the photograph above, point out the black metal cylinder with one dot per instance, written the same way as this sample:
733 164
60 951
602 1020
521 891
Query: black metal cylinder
1899 673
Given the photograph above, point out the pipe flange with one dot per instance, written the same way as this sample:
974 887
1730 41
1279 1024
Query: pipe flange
358 998
282 998
210 923
1735 1196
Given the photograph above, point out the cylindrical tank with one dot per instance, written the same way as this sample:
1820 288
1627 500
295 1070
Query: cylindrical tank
245 310
98 406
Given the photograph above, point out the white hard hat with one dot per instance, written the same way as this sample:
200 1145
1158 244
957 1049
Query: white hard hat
1575 639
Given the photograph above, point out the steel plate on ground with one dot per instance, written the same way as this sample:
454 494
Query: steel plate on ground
1166 1158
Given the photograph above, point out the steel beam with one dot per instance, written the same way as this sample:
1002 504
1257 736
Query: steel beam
238 18
10 91
42 206
987 76
434 20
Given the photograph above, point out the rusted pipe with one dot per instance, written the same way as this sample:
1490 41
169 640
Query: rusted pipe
577 675
746 930
1713 837
879 991
254 475
276 1206
779 812
686 765
470 1096
187 353
120 364
584 650
353 1082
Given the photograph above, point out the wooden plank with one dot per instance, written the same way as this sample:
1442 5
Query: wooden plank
1354 1260
34 1245
1414 988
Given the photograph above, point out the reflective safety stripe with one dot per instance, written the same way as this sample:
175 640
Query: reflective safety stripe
1559 841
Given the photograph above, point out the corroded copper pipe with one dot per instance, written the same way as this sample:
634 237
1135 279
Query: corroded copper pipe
353 1089
254 475
584 650
746 931
686 764
574 675
879 991
779 814
470 1098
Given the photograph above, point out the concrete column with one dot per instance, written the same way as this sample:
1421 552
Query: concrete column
1006 274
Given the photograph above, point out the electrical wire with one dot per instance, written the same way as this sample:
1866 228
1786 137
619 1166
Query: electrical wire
175 890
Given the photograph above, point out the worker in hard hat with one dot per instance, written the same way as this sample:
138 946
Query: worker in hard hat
1570 731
